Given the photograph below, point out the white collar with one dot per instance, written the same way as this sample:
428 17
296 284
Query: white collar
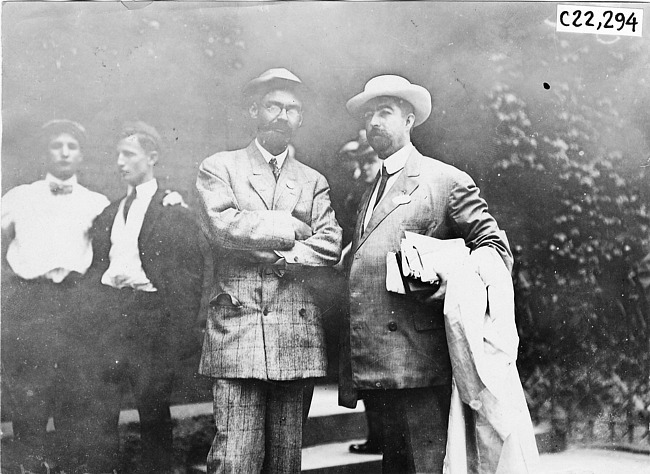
397 160
50 178
267 156
145 190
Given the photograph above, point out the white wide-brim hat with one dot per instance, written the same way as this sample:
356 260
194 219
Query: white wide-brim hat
393 86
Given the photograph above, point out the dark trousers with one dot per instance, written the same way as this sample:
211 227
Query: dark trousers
52 366
374 418
33 342
86 416
152 387
141 360
414 428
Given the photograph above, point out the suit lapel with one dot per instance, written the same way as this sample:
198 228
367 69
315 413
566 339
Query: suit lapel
111 213
151 217
287 190
405 185
101 232
358 229
261 179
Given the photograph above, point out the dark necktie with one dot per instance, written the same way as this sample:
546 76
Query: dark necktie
59 189
382 184
127 203
274 166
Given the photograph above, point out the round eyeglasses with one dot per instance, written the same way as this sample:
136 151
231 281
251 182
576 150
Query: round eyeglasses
293 112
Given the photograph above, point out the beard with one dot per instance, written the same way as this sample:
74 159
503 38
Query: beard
379 141
274 137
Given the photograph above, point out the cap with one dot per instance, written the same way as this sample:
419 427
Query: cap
139 127
271 79
58 126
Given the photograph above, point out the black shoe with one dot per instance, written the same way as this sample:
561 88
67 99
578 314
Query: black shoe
365 448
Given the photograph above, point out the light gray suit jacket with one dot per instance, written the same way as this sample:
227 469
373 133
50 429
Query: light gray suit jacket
264 323
393 341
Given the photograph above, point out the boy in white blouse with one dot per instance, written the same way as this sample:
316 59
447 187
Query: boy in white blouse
46 249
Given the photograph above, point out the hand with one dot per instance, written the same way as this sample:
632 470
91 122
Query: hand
301 230
340 266
173 198
263 256
439 295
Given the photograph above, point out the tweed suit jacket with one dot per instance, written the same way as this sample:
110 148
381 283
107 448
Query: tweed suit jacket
172 260
393 341
264 324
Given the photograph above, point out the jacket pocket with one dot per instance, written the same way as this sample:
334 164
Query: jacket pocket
429 319
225 300
417 227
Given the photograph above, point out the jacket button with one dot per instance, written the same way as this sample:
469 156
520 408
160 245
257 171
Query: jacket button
296 259
475 405
302 312
392 326
265 311
378 385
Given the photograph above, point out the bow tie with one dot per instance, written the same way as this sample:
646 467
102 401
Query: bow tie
58 189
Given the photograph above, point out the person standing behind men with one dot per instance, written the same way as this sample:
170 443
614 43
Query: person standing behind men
267 217
45 239
368 164
358 167
151 268
394 348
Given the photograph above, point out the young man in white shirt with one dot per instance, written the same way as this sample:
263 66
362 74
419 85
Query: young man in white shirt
46 250
148 267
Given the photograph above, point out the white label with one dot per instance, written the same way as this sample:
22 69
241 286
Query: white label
599 20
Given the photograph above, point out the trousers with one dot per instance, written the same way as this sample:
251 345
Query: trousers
258 425
414 425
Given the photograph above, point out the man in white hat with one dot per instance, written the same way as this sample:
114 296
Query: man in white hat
268 220
394 350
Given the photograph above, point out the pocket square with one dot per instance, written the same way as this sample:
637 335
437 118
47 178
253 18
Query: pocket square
401 199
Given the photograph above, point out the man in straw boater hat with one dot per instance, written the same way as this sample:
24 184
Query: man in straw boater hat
46 251
394 349
269 223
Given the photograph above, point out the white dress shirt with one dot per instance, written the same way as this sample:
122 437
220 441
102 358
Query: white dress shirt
268 156
394 165
125 268
49 232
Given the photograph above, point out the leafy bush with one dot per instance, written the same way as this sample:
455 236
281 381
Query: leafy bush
579 226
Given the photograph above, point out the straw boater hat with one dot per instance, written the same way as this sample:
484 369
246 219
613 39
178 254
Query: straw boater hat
276 78
393 86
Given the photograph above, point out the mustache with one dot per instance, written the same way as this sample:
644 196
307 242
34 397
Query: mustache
376 133
282 127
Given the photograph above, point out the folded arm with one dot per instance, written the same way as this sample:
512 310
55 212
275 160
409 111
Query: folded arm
323 247
229 227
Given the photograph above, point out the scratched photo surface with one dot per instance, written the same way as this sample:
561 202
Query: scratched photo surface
554 128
